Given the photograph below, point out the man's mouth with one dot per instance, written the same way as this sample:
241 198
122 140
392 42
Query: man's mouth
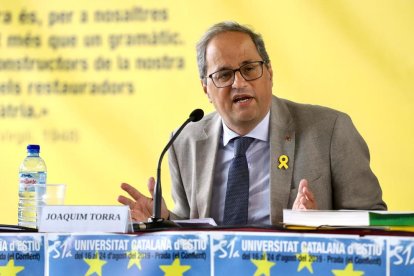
241 99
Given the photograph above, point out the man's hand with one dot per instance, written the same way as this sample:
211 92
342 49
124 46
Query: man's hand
140 205
305 200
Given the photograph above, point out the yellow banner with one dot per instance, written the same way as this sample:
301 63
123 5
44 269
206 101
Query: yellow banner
101 85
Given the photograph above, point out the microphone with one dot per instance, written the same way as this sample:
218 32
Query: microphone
155 221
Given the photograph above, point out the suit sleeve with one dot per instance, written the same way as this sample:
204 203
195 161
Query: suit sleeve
181 208
354 184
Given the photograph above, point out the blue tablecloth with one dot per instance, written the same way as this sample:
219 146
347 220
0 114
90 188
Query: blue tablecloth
205 253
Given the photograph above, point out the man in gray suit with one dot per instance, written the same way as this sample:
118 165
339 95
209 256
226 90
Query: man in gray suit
298 156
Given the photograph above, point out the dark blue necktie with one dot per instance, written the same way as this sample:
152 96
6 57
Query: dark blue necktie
237 194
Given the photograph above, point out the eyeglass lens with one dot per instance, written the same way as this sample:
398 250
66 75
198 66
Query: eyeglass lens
249 71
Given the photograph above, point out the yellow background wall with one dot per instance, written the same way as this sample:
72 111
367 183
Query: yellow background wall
354 56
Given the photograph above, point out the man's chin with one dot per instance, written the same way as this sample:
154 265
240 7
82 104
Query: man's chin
246 120
246 115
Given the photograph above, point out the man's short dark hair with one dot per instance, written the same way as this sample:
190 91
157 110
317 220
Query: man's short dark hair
227 26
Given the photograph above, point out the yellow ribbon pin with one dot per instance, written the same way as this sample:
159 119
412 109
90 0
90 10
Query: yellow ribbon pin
283 160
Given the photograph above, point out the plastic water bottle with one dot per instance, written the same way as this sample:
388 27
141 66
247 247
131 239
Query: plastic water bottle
32 172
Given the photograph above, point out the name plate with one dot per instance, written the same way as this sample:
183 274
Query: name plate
69 218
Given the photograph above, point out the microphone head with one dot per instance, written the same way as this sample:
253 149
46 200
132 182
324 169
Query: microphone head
196 115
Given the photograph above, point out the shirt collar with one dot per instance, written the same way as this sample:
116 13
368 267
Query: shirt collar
260 132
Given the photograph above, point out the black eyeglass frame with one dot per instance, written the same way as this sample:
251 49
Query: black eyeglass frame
234 73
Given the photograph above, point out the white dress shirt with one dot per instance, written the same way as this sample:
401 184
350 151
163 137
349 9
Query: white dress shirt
258 162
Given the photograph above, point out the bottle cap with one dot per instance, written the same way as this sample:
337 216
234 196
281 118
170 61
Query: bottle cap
35 148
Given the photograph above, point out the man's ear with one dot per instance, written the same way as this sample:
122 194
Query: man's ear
204 85
269 68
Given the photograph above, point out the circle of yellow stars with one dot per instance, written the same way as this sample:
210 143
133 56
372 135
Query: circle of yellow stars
263 266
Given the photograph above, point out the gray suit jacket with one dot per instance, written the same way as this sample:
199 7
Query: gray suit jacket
322 145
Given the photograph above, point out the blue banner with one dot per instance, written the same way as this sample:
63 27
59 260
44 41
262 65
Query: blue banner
269 254
22 254
205 253
146 254
401 256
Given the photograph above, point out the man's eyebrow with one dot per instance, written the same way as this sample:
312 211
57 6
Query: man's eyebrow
224 67
247 61
227 67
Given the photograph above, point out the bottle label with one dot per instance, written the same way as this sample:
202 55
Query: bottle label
27 180
28 199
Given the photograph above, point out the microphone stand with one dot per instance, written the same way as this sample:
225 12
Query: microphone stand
156 221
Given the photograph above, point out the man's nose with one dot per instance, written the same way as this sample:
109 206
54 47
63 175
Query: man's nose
239 81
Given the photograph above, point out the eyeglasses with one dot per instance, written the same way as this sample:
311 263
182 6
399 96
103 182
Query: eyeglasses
249 71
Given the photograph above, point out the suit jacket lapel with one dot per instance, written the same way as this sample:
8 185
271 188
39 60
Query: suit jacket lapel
205 164
282 142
